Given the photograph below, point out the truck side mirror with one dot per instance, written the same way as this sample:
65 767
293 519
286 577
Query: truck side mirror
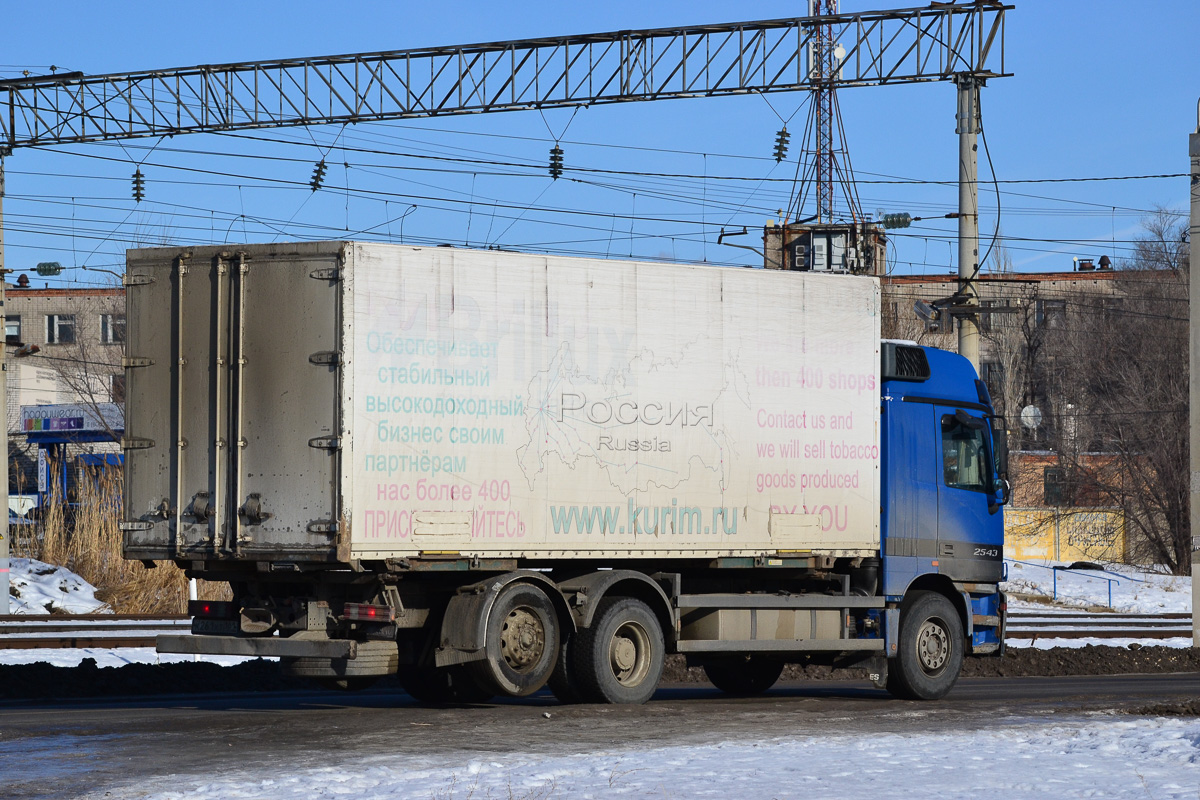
1000 445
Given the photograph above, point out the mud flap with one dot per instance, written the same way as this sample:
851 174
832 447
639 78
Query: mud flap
877 671
464 627
891 632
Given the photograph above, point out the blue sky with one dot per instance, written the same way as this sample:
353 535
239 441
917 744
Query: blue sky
1101 89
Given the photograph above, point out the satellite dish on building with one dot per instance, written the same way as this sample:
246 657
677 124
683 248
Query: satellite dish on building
1031 417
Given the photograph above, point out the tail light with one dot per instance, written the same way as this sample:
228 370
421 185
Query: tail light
362 612
212 609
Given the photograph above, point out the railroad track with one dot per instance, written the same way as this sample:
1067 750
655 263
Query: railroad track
26 632
1027 624
22 632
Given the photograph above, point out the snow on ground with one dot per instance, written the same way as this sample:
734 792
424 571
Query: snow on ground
1048 642
39 588
1134 591
1016 759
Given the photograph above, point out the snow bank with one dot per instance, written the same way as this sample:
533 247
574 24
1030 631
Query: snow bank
39 588
1135 591
1135 758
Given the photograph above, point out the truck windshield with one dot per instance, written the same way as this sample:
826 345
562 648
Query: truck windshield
963 457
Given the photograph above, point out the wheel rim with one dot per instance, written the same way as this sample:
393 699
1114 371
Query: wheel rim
933 645
522 639
629 654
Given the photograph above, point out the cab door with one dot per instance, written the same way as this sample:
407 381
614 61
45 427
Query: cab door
970 544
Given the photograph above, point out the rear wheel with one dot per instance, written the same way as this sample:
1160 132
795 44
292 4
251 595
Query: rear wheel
744 676
521 642
930 654
444 685
563 682
619 659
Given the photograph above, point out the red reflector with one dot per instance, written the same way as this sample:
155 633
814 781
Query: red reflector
212 609
363 611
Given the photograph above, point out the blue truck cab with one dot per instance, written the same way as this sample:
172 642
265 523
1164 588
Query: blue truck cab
942 517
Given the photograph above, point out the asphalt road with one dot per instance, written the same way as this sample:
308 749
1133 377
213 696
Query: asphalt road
67 750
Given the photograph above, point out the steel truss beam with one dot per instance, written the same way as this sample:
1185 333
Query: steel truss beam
902 46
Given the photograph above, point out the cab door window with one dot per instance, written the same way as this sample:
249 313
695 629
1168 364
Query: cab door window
964 457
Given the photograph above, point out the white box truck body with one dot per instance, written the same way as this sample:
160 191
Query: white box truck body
512 404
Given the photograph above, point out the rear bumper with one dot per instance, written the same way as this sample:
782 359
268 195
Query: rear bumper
262 647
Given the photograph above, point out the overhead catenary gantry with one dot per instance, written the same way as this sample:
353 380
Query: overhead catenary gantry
942 42
903 46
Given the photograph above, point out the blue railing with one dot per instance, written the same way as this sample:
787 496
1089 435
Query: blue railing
1079 572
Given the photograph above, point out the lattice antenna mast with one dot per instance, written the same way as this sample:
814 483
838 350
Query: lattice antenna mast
826 142
824 66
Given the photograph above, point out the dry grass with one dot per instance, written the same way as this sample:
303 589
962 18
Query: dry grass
86 539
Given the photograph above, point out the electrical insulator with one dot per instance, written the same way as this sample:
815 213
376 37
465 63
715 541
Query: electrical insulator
781 144
139 186
556 162
896 220
318 177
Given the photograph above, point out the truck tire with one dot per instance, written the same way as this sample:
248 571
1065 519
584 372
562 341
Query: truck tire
521 642
931 649
619 659
744 676
562 681
440 686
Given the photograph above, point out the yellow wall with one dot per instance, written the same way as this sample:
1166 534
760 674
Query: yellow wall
1066 534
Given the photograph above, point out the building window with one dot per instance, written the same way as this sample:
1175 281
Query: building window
1051 313
12 328
112 328
117 388
60 329
1054 486
985 320
992 374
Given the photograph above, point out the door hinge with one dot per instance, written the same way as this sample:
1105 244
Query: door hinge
138 280
136 443
326 274
135 525
136 361
325 443
323 526
328 358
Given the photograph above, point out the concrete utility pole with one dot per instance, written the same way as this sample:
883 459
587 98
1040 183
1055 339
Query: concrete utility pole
968 212
4 532
1194 377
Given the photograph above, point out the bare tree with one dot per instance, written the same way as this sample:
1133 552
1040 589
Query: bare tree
1123 373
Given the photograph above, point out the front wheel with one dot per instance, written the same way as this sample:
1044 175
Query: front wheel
930 655
619 659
